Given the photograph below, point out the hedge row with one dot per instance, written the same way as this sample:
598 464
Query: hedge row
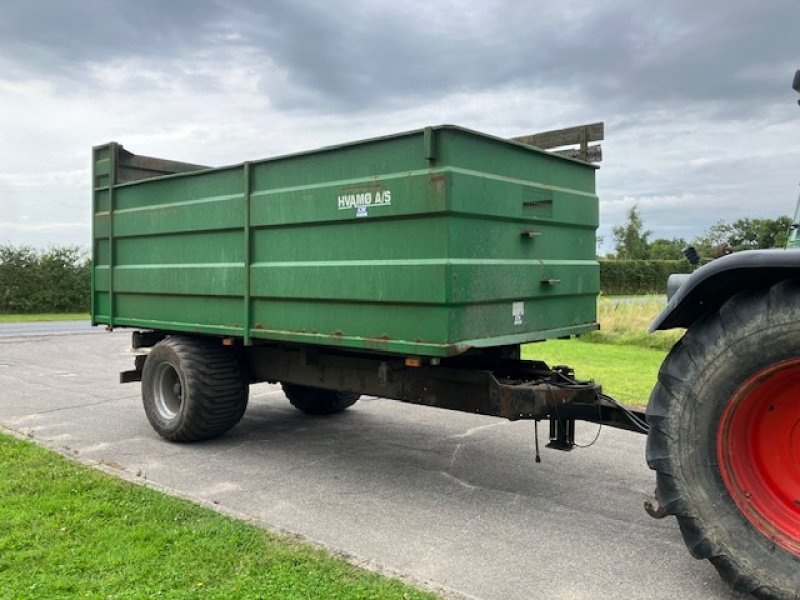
625 277
44 281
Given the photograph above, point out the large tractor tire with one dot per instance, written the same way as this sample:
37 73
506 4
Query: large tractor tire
192 389
725 440
317 401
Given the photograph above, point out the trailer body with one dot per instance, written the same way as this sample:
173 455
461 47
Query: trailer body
427 243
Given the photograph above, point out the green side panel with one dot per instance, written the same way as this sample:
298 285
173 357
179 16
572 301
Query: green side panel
379 327
427 242
209 314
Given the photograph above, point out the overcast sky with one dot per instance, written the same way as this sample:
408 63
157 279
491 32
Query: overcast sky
701 121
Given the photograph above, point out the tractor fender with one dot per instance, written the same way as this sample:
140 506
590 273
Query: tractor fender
713 284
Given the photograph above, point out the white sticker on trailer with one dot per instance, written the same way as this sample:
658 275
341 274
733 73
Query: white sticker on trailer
363 199
518 312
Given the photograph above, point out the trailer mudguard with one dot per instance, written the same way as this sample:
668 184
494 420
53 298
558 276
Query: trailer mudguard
711 285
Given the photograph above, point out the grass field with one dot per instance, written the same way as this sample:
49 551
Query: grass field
625 321
627 373
68 531
622 356
24 318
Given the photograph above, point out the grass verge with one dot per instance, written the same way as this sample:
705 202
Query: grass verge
627 373
69 531
24 318
624 320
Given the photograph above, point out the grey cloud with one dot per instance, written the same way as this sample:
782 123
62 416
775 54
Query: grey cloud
370 55
70 31
618 53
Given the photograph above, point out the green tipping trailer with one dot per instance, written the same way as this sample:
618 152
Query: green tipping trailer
411 266
424 243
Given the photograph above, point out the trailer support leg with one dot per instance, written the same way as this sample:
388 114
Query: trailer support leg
562 434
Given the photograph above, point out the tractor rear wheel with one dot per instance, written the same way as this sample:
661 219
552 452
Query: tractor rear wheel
725 440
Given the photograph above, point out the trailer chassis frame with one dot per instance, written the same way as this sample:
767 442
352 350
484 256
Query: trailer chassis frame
493 382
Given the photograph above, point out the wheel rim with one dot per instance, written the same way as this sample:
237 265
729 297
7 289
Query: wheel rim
167 391
758 450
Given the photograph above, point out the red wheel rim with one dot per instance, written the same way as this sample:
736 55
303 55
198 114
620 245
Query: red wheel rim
758 450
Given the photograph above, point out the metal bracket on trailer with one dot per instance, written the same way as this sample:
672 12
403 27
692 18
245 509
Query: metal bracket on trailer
141 342
136 373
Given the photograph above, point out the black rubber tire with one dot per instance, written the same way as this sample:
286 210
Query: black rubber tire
702 372
192 389
317 401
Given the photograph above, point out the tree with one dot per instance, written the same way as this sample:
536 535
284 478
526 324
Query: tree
663 249
751 234
745 234
630 240
717 235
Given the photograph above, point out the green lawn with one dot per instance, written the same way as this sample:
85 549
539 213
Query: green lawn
627 373
24 318
68 531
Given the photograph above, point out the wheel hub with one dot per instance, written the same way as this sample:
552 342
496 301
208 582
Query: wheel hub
758 451
167 391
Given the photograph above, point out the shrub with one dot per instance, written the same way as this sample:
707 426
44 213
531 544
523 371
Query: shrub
625 277
44 281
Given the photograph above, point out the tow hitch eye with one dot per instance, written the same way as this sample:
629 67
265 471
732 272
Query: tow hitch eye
653 507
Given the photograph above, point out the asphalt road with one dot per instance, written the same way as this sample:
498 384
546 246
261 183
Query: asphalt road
451 500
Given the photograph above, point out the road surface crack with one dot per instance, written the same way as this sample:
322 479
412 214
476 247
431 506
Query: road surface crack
73 406
446 472
474 430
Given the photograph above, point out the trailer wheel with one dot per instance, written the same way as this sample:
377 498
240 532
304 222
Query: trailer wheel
317 401
192 389
725 440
